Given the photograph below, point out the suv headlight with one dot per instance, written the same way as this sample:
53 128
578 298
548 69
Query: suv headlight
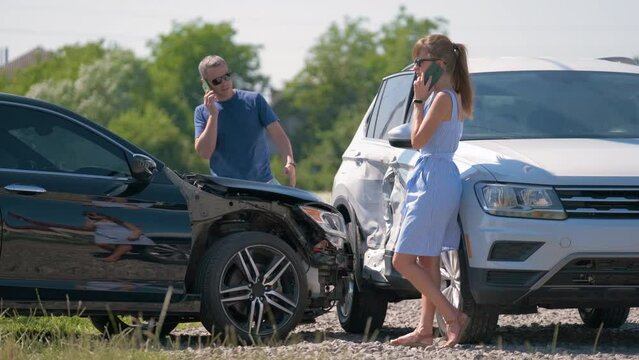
525 201
332 223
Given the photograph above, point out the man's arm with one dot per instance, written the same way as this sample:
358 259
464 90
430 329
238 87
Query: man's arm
206 142
277 134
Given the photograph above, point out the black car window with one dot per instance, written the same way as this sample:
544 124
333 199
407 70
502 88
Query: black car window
392 109
31 139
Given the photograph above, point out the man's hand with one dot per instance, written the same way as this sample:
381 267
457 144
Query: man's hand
289 170
209 103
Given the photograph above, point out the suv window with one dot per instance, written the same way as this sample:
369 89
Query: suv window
554 104
36 140
392 105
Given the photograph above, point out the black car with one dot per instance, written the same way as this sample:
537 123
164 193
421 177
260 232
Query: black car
93 225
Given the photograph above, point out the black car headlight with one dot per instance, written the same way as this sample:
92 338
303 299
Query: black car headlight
514 200
332 223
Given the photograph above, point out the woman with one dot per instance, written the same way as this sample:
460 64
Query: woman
433 193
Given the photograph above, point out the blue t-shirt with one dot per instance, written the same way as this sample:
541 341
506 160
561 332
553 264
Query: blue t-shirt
242 150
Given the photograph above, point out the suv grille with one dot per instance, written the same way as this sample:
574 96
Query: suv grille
600 202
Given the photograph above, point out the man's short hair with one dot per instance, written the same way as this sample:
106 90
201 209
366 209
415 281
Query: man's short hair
210 61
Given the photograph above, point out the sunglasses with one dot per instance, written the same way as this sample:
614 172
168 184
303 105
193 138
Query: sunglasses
221 79
419 61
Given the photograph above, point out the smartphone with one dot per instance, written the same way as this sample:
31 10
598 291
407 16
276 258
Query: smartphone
434 72
205 86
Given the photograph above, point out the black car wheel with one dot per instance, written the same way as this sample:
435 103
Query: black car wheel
612 317
355 309
252 285
455 287
116 324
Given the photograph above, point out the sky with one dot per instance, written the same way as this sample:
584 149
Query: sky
287 29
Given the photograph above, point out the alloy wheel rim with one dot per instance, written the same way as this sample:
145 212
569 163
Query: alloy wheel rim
259 290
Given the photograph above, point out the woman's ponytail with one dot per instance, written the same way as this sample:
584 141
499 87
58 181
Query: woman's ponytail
461 79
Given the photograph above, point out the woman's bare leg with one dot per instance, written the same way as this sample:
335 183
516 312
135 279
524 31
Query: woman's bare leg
428 308
423 281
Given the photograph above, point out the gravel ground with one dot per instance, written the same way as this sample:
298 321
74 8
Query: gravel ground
517 337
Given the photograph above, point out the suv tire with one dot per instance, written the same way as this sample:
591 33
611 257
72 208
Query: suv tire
612 317
253 286
456 288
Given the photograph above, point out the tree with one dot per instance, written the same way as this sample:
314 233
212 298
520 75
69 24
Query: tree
151 128
63 64
324 103
102 90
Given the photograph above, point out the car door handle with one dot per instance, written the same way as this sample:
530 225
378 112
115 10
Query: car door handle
25 189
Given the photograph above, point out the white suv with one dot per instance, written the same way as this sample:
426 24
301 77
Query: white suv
550 205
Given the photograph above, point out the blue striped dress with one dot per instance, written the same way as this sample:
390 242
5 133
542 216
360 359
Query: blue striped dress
433 193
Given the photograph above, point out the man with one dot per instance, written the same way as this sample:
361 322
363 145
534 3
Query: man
231 127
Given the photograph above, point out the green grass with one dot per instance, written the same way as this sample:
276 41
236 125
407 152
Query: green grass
73 325
48 337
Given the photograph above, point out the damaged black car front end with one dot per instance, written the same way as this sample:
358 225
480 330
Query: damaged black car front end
244 224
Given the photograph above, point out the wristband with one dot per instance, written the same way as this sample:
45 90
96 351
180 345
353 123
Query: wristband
291 163
417 101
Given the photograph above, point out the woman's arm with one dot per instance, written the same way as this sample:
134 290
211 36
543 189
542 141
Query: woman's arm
422 129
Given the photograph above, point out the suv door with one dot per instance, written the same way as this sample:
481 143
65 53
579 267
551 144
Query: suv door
372 156
68 200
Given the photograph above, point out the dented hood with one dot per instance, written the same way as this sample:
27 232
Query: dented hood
242 188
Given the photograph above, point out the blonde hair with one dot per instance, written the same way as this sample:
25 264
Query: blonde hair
456 60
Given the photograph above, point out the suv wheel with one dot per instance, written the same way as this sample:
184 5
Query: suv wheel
115 324
355 308
612 317
253 286
455 286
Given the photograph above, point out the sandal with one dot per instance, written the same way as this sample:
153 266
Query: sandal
454 337
413 339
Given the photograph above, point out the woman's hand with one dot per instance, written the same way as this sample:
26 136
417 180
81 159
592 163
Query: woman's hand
420 90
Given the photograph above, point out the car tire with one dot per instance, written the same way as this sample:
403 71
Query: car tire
355 308
110 325
455 287
612 317
253 286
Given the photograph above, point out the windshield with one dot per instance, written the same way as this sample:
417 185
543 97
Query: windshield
554 104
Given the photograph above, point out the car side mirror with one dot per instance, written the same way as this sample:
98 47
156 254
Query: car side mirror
142 167
399 136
